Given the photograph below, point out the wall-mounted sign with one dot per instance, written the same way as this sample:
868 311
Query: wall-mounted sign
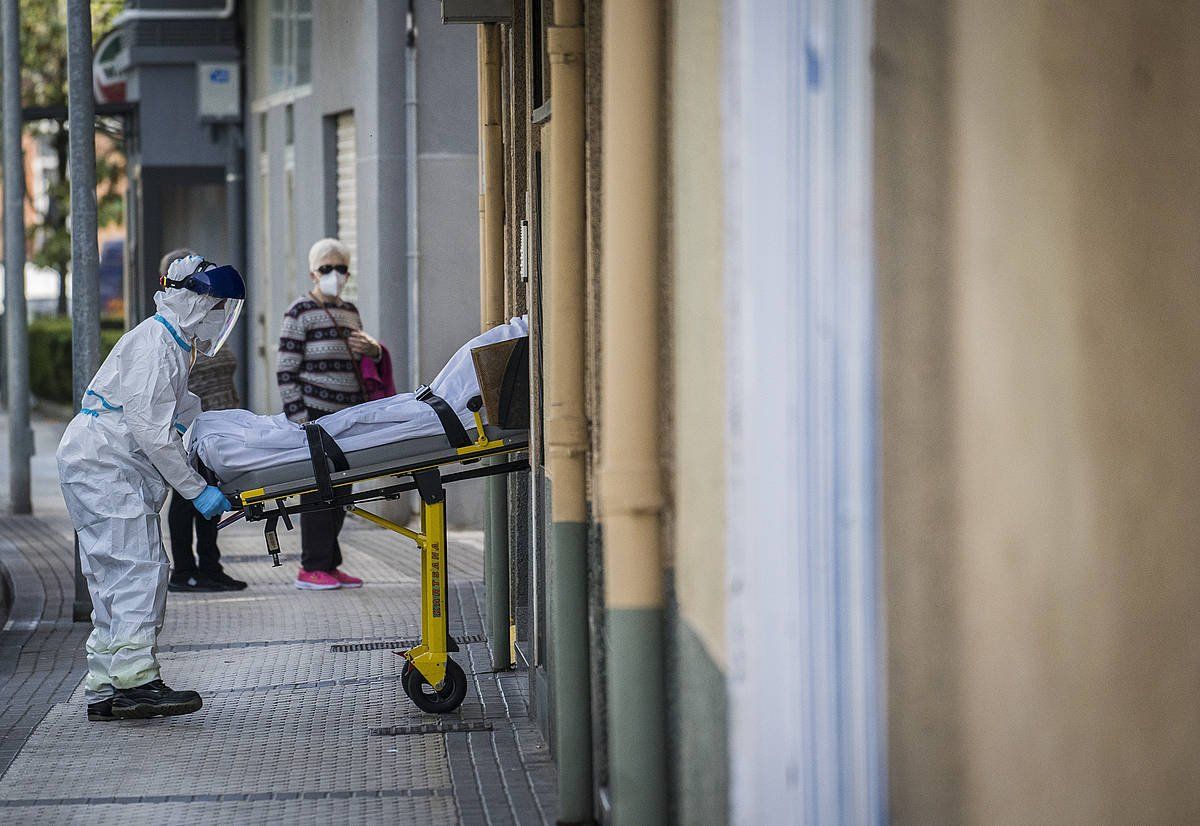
110 67
220 97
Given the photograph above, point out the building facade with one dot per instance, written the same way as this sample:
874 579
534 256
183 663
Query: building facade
864 341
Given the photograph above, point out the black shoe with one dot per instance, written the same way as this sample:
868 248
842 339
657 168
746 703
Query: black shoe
226 582
193 582
100 712
153 699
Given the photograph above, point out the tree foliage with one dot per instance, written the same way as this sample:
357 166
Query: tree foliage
44 84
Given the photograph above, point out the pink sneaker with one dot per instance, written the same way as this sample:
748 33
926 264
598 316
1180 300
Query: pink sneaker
346 580
316 581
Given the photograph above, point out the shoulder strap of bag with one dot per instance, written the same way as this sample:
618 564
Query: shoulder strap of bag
362 388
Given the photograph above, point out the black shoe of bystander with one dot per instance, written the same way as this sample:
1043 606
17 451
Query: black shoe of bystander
226 582
194 582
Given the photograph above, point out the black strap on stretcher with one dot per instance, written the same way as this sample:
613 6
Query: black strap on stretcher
324 451
456 434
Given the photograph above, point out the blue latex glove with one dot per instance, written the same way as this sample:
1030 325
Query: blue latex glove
211 503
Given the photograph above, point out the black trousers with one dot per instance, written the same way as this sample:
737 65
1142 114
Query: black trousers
319 548
181 518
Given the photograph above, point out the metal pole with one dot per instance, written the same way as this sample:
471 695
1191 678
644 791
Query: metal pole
492 151
85 251
20 437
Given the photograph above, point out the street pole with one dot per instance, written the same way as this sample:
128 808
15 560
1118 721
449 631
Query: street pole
20 436
85 250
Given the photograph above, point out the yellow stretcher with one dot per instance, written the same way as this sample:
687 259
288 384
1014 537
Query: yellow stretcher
430 677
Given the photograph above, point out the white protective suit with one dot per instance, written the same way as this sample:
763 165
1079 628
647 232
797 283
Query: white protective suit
230 442
115 463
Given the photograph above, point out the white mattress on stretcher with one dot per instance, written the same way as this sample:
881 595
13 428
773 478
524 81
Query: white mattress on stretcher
234 442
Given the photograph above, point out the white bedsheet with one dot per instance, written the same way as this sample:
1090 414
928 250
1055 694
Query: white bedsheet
231 442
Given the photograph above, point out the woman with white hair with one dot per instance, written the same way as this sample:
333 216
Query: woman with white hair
320 346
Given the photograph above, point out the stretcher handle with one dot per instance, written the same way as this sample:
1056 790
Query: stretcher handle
224 523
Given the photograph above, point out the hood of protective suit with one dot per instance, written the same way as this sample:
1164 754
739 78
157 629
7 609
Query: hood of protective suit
184 309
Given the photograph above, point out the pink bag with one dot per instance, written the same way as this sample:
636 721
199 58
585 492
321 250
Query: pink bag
376 376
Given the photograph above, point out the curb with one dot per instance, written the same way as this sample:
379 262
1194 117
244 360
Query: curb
6 595
26 596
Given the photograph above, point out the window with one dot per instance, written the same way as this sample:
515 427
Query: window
263 300
290 44
537 47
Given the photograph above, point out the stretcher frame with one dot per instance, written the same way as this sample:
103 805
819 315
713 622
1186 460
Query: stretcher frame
430 677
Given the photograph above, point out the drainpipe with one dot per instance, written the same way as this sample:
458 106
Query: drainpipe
412 225
492 152
481 81
629 478
566 425
491 312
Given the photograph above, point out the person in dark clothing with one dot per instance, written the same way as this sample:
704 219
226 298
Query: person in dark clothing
212 380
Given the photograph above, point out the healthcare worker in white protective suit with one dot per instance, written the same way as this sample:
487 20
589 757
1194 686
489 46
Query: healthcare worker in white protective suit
116 462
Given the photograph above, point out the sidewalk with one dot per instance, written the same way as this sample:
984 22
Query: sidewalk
304 718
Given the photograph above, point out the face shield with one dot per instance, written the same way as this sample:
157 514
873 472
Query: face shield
213 331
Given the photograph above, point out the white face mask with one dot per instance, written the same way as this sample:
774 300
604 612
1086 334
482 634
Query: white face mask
213 330
331 283
209 328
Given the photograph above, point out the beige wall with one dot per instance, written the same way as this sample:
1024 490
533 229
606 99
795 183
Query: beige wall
1038 212
697 311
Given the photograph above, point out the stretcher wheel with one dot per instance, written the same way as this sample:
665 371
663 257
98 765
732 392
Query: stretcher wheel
426 698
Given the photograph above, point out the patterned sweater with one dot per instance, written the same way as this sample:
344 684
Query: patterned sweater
315 369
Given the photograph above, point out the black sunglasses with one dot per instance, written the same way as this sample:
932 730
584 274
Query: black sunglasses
325 269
